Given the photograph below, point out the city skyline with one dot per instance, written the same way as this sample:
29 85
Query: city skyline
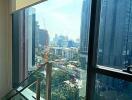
66 13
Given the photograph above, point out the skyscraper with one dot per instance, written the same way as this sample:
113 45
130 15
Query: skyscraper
115 36
30 22
43 37
24 35
84 34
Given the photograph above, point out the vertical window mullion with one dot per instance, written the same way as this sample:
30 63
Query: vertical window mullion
15 51
92 50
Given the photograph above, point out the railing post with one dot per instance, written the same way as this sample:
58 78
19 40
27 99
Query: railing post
48 81
38 89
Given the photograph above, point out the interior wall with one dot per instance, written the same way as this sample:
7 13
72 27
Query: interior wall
5 47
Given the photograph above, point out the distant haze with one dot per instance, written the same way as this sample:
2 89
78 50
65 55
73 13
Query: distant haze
62 17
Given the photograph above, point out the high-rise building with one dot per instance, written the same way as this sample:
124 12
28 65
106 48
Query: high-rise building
30 21
84 34
37 35
115 37
26 37
61 41
115 40
43 37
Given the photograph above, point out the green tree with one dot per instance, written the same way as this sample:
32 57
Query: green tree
62 90
59 76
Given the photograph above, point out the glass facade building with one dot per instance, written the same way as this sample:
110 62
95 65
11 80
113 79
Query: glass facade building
115 34
84 33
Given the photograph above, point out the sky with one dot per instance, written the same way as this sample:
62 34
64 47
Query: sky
62 17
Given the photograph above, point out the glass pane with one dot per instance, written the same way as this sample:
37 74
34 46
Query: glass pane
18 97
115 33
29 92
27 87
62 38
55 31
108 88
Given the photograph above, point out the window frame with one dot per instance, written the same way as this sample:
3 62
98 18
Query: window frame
15 50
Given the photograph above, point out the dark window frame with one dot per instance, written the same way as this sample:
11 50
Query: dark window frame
15 50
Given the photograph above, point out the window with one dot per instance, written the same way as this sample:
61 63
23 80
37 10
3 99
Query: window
57 34
109 30
89 43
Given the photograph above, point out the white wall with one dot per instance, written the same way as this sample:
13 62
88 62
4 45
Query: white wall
5 47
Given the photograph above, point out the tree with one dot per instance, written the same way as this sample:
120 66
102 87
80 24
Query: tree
62 90
59 76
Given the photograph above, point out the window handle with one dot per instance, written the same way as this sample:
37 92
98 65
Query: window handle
128 69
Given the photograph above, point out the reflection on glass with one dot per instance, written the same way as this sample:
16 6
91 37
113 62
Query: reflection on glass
108 88
115 34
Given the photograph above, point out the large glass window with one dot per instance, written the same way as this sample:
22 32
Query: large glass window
114 50
66 33
56 31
